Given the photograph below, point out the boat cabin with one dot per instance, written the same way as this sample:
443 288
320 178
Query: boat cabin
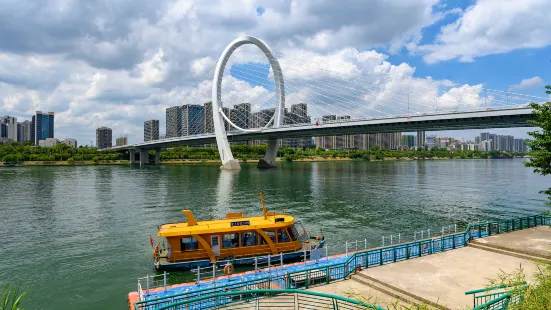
235 236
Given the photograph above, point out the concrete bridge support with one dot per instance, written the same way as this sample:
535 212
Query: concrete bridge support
144 156
268 161
132 157
157 156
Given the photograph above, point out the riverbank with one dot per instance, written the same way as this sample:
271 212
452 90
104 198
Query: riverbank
66 163
217 162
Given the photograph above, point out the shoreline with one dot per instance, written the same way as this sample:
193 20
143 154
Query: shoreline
213 162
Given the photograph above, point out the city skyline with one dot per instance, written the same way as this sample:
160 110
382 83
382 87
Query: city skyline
136 82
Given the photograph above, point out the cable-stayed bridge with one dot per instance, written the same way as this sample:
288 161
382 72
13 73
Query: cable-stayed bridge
344 94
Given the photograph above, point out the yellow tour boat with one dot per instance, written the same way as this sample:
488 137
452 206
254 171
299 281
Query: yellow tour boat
235 240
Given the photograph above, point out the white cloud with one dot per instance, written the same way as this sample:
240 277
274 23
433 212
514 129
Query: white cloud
526 84
120 64
492 27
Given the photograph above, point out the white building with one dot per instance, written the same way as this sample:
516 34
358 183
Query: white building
70 141
49 142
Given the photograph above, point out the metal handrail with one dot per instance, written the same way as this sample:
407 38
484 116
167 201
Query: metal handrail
379 256
273 292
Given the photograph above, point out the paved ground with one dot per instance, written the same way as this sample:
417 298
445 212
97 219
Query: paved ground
358 291
445 277
530 241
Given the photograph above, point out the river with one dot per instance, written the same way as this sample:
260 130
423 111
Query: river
78 237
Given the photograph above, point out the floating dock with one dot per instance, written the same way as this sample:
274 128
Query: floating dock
408 272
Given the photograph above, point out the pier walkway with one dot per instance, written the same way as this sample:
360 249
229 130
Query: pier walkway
436 271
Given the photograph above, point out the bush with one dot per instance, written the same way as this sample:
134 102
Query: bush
95 159
70 161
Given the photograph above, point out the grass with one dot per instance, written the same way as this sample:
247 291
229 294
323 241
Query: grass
11 297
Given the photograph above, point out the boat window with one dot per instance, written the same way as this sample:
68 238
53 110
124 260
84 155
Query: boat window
271 234
282 236
293 233
248 238
230 241
189 244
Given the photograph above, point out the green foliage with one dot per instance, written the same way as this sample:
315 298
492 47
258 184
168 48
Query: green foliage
95 159
15 153
536 295
11 297
541 142
70 161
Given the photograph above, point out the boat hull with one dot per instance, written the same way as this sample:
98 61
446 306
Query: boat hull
243 261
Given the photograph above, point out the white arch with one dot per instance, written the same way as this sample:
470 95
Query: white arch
228 162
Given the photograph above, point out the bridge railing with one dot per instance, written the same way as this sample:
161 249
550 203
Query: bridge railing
325 273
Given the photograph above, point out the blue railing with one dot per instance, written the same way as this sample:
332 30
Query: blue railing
325 272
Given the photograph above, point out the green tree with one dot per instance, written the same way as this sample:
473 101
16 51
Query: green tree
541 142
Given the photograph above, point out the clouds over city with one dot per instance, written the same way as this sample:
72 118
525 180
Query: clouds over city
120 63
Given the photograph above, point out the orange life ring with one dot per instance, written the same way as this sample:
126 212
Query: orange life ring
228 269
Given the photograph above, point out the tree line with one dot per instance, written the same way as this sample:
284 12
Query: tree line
14 153
246 152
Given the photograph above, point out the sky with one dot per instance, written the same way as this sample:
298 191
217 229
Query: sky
119 63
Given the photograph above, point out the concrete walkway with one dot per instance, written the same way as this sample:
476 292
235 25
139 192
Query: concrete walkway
532 241
443 278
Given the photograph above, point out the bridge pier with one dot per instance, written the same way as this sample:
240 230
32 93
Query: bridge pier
157 156
144 156
132 156
268 161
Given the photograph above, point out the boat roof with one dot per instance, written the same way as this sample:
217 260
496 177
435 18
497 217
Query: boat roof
229 225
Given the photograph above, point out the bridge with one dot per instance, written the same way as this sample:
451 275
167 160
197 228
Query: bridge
339 103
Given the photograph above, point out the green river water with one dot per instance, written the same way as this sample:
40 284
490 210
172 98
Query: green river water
78 237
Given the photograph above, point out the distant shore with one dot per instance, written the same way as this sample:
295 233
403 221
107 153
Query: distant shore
212 162
66 163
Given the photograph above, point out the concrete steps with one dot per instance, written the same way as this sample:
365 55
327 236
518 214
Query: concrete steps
509 252
400 295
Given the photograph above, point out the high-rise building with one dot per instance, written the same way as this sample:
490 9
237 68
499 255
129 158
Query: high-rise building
193 119
174 122
209 120
241 115
484 136
260 119
431 141
151 130
493 142
43 126
519 145
408 140
227 112
298 115
104 137
420 139
122 140
3 131
24 131
10 127
327 142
